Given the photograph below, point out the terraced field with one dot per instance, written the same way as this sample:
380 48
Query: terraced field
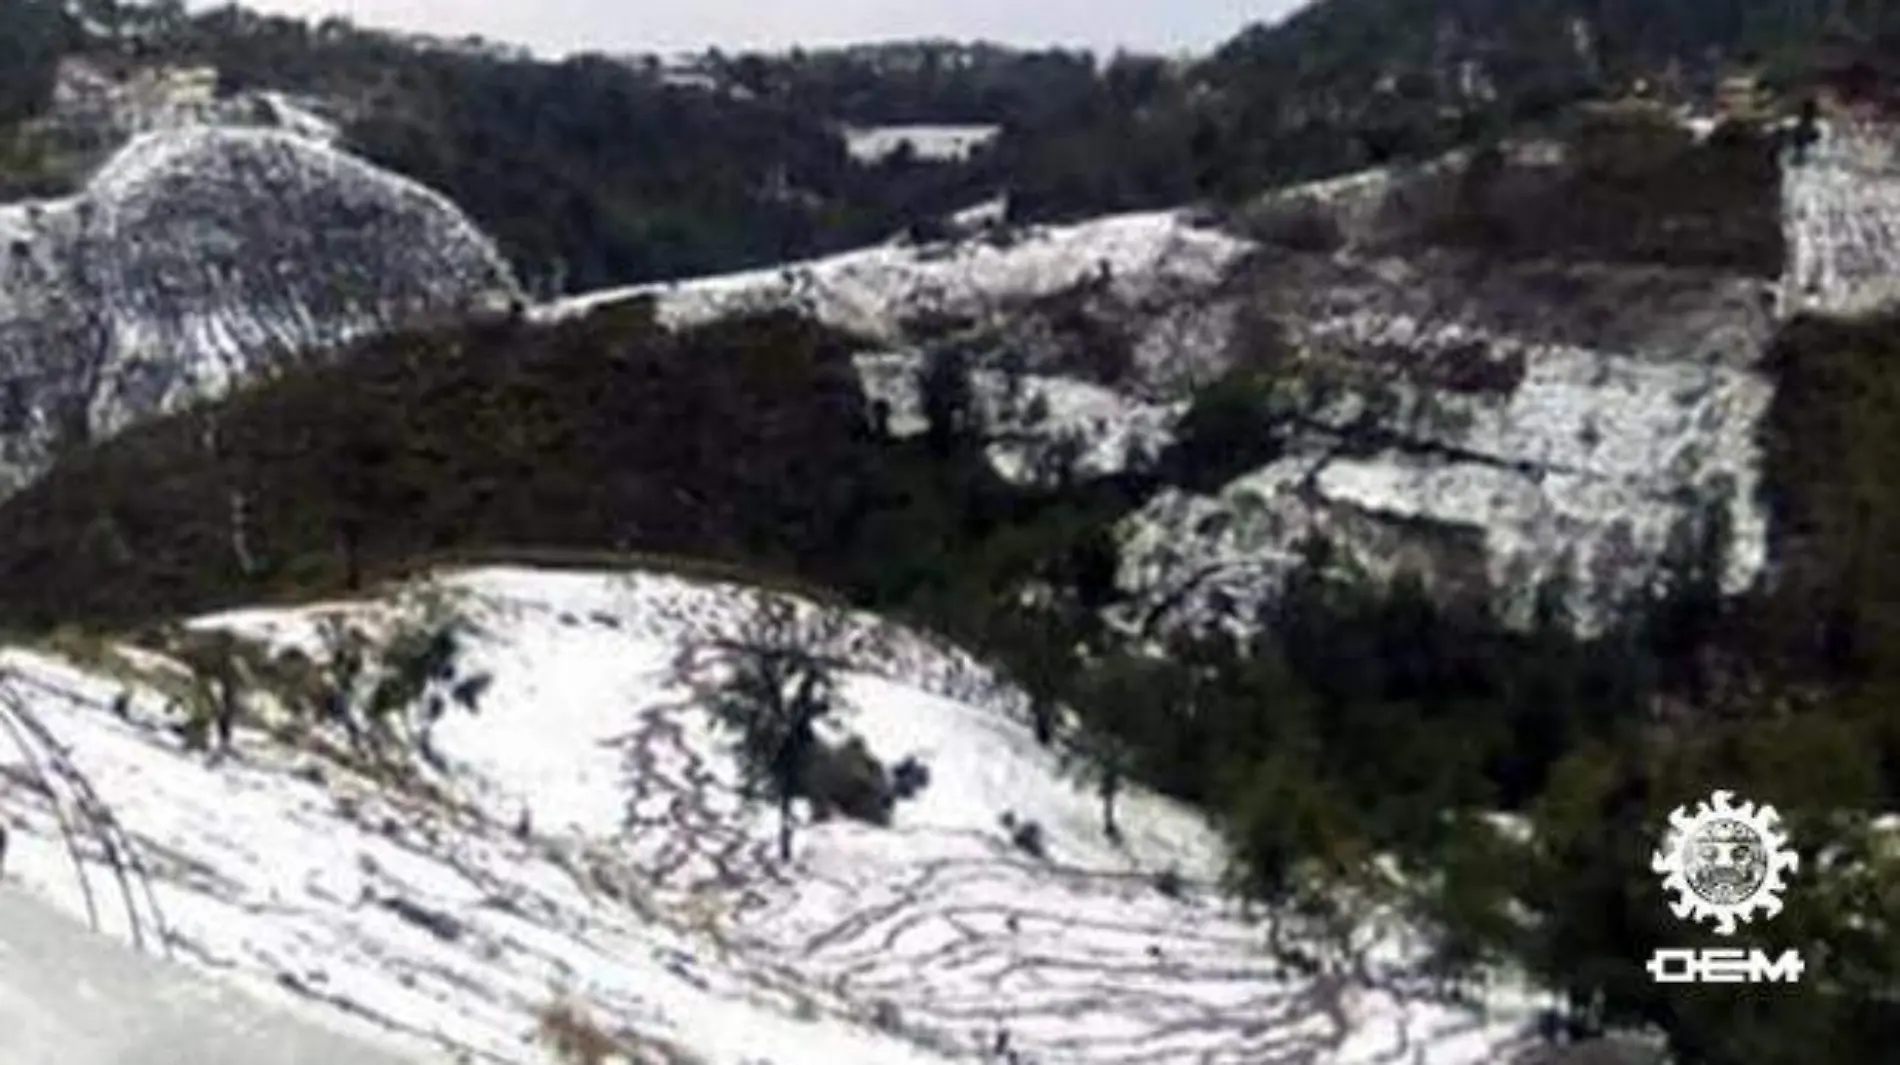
587 840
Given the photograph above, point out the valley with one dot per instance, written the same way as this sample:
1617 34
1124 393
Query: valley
1219 561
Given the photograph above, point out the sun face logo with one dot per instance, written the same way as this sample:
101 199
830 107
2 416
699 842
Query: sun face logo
1725 861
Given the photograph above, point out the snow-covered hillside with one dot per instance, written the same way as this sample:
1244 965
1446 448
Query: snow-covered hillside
884 292
200 257
1584 469
587 843
1558 419
1566 419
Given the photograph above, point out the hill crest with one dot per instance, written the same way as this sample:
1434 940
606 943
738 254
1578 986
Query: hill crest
203 257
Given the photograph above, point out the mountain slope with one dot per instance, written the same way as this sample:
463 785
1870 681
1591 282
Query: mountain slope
1510 403
588 836
201 257
1498 418
1147 263
1450 393
1547 371
1527 53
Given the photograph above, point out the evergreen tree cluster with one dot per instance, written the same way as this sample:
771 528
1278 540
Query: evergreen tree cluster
33 35
597 170
1362 729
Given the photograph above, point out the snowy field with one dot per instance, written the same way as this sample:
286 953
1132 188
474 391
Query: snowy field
928 143
641 888
875 291
58 977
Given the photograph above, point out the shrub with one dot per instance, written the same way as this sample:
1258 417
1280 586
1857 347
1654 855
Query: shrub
886 1017
909 778
383 692
849 780
1027 836
1235 425
574 1036
1302 224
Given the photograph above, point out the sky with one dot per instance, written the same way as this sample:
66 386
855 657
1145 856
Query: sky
555 27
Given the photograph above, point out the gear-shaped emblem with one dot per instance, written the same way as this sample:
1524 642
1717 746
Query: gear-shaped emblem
1725 861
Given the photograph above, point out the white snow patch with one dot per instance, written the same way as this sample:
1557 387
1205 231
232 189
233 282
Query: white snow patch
985 215
1034 422
1842 209
650 891
75 997
928 143
874 292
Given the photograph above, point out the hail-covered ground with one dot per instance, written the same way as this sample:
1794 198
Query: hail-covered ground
931 143
888 291
1843 209
199 258
58 979
1525 423
1544 420
1534 422
584 843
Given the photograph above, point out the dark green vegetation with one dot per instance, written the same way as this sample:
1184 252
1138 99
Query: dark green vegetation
595 171
589 436
1641 190
1368 721
32 35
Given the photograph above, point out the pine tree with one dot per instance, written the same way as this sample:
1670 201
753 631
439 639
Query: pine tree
1123 699
780 685
948 398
